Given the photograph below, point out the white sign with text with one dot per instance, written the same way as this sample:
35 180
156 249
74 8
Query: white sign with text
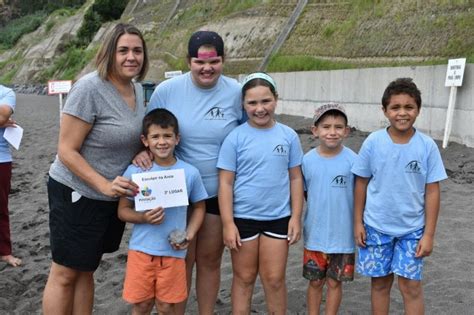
160 189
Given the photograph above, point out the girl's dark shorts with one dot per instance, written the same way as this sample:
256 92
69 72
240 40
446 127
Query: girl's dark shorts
81 231
251 229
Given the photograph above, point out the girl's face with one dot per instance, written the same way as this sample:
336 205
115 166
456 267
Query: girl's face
260 104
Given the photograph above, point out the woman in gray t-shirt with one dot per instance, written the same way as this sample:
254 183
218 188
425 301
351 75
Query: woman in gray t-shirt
99 135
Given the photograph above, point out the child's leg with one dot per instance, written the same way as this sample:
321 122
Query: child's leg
143 308
412 293
334 296
273 254
314 296
245 268
380 294
165 308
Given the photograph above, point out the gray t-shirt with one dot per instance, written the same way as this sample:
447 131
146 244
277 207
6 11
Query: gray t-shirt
115 135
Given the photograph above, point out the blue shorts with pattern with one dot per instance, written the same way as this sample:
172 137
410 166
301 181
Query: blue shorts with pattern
385 254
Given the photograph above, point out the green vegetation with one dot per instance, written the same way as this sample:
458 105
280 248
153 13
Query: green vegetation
280 63
12 32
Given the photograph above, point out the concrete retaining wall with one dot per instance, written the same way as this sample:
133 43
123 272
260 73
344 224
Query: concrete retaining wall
360 91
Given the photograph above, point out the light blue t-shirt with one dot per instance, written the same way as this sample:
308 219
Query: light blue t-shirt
395 202
205 116
7 97
153 239
261 159
328 221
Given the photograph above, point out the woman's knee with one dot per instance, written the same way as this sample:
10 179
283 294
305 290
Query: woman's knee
65 276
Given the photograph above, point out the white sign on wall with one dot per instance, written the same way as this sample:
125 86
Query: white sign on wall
59 87
455 72
171 74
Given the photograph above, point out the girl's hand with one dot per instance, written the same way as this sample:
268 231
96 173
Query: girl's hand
360 234
294 231
231 237
154 216
121 187
143 160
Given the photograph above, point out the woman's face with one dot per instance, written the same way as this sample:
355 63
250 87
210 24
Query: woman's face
206 68
129 57
260 104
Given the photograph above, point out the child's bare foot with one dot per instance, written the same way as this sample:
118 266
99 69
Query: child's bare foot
11 260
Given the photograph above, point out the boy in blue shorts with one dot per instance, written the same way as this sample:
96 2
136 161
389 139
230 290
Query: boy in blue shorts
156 272
396 200
328 223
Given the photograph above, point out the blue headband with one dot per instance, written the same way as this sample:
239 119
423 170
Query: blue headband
259 75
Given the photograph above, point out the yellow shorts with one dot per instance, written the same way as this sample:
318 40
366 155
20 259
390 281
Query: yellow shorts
159 277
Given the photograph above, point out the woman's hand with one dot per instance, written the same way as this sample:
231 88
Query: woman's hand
121 187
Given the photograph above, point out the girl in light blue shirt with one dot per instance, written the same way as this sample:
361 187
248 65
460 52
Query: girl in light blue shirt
260 197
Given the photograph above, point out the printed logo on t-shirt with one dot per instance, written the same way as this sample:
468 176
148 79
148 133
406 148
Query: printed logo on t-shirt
413 167
215 113
340 181
281 150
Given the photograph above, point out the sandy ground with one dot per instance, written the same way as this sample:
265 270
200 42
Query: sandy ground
448 277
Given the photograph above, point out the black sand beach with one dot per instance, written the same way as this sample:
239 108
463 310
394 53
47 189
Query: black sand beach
448 276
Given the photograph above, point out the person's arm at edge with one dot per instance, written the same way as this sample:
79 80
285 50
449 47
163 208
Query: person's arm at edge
360 194
297 200
5 114
72 134
432 204
226 200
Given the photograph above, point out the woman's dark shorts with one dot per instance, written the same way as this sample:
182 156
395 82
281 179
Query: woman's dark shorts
212 206
81 231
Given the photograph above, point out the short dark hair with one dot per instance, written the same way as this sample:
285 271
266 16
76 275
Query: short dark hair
401 86
105 58
161 117
332 113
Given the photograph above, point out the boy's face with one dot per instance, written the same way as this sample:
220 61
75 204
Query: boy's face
331 131
401 112
161 142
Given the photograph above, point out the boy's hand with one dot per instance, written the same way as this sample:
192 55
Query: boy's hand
154 216
231 237
360 234
294 231
424 247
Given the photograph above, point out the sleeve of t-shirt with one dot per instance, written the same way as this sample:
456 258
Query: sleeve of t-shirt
228 154
296 152
436 171
157 99
8 99
198 191
81 102
361 166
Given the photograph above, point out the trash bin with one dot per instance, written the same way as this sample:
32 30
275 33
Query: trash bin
148 88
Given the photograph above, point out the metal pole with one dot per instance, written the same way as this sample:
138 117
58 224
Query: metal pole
449 115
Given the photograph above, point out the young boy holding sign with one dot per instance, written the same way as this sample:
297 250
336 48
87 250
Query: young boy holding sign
156 272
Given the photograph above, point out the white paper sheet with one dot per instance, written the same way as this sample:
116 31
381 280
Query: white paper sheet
13 135
164 188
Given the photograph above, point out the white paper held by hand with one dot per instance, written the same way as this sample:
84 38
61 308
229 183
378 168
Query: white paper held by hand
13 135
160 189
